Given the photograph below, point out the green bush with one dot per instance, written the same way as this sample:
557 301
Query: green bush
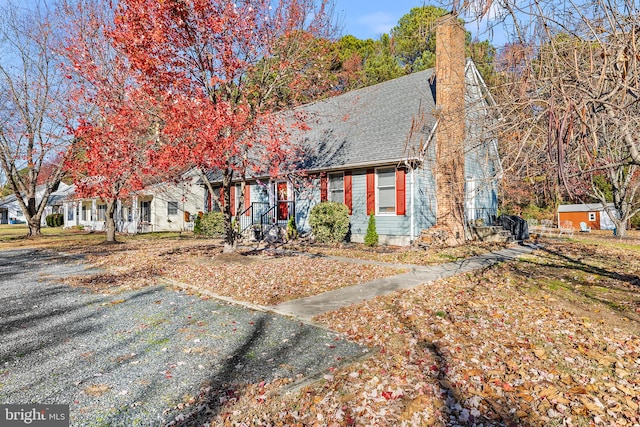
292 228
635 221
329 222
371 238
197 225
54 220
210 224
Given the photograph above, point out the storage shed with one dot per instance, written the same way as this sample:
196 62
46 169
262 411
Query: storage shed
593 214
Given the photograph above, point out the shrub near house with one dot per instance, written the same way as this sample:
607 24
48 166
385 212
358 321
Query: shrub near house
329 222
54 220
210 224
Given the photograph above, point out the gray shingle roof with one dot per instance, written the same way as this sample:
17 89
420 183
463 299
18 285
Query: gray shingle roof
369 125
590 207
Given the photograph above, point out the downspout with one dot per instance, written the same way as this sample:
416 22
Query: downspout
411 220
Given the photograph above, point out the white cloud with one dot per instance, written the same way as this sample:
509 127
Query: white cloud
378 22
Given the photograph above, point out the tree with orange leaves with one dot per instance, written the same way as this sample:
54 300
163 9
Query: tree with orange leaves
117 127
219 67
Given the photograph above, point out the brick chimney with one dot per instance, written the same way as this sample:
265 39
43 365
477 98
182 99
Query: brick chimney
450 133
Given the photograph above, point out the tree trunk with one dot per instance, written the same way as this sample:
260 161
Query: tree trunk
34 226
33 219
110 221
621 229
230 244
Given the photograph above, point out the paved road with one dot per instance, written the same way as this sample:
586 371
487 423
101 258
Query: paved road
124 359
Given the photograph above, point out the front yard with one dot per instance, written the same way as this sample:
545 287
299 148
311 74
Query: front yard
550 339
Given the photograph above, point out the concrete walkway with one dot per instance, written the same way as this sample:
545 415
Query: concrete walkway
307 308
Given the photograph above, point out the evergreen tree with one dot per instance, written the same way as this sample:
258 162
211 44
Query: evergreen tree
371 238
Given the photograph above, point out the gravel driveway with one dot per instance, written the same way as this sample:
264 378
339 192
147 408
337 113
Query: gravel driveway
130 359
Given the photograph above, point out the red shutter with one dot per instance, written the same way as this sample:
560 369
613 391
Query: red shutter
247 199
232 200
401 192
371 192
323 188
348 195
209 196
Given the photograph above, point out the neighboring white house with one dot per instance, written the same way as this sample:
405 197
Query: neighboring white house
11 213
160 207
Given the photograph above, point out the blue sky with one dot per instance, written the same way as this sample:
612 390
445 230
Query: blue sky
371 18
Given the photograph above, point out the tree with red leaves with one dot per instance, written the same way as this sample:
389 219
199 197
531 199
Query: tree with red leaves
221 69
116 135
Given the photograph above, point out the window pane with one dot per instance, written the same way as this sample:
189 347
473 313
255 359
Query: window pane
386 177
336 196
386 200
386 190
215 197
336 181
145 211
172 208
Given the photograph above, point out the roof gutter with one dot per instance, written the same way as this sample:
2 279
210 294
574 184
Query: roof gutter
359 165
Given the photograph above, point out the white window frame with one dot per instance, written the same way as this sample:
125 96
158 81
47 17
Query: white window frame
215 199
592 216
377 189
169 208
238 186
145 207
101 212
329 190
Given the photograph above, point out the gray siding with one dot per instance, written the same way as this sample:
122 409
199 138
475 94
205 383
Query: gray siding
307 196
386 225
481 159
425 200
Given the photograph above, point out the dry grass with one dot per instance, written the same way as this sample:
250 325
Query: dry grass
550 339
505 346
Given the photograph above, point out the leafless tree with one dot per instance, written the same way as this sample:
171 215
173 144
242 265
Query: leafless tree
569 91
32 132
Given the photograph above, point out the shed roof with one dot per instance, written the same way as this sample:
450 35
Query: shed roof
585 207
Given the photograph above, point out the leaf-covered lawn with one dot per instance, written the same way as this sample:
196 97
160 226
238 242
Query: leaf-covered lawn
270 280
402 255
263 278
499 347
551 339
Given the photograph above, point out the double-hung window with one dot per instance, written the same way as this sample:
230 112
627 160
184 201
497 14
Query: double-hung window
102 212
386 190
145 211
336 187
172 208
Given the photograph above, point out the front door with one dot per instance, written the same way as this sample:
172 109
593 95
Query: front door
145 211
282 195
